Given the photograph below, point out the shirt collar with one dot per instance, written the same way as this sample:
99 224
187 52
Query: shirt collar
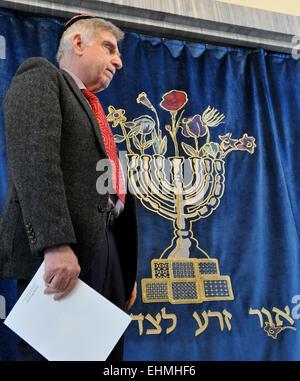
77 80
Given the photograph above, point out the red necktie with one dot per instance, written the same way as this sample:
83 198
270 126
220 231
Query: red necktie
109 143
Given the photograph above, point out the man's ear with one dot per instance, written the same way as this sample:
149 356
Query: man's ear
78 45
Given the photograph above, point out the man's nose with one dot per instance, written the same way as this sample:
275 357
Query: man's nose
117 62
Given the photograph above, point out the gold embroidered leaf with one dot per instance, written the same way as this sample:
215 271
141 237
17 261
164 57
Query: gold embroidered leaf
189 150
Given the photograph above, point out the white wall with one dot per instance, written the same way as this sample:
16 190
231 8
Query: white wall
290 7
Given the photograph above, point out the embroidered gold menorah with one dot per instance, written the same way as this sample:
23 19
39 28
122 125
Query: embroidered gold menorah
181 189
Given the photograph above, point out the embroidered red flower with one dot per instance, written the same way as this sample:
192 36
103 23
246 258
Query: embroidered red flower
174 100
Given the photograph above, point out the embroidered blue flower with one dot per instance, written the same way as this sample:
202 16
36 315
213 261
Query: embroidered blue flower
143 125
192 127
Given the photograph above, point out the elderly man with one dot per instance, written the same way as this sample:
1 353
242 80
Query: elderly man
56 134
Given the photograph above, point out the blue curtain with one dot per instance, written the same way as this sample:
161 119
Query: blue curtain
234 115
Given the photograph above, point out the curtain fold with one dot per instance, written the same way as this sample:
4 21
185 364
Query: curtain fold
232 115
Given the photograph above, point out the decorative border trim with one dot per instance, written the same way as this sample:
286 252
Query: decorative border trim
206 21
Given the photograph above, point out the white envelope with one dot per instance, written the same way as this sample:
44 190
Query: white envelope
82 326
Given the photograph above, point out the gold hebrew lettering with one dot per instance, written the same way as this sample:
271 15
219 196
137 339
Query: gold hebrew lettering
228 316
285 315
172 317
156 323
258 313
268 314
202 327
219 316
139 318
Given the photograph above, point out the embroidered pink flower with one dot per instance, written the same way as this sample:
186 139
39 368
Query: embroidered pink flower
272 330
246 143
227 142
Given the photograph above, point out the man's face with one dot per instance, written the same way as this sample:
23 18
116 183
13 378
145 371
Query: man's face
100 60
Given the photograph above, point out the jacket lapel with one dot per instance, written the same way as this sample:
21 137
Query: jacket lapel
82 100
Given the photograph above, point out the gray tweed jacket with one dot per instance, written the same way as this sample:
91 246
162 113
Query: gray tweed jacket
53 146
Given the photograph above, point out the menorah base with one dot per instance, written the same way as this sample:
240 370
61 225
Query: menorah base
189 280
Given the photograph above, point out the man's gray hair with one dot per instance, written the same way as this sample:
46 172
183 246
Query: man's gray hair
87 29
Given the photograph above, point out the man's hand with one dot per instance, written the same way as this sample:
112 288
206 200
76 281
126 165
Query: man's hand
61 271
130 302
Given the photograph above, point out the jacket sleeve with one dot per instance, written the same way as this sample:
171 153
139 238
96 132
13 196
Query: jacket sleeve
33 125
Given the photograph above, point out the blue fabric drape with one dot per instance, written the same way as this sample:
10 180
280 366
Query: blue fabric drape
254 231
